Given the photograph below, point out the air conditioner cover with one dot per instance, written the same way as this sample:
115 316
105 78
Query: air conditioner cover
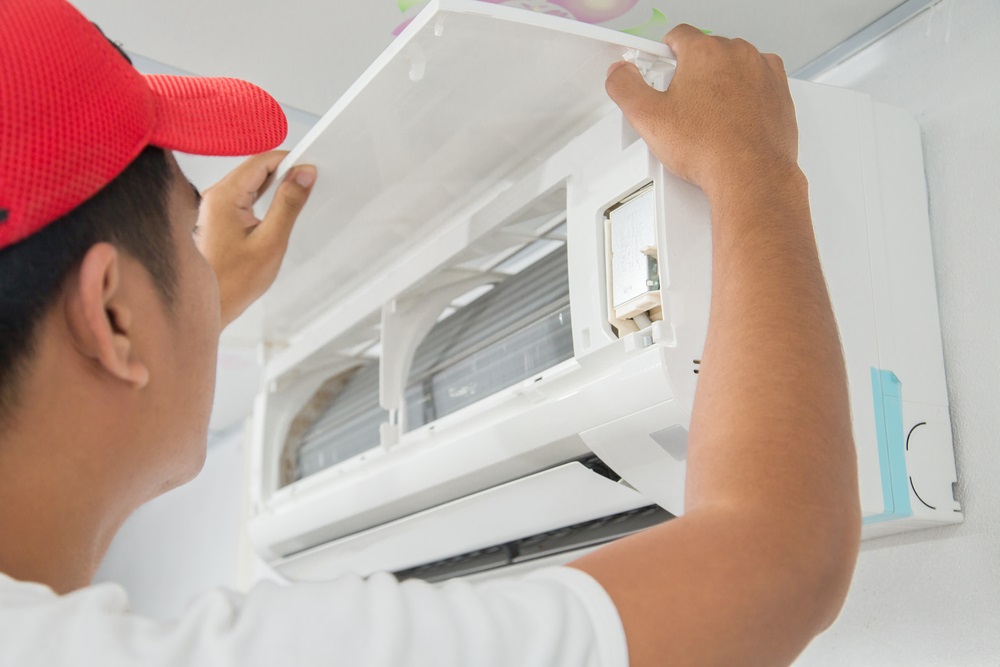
482 132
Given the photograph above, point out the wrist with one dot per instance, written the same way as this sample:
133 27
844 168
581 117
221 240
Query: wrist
781 187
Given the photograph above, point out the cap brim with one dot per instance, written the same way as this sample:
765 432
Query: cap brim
214 116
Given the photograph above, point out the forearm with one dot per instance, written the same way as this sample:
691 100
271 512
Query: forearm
771 444
771 427
762 558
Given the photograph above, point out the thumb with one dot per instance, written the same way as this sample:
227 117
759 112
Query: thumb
636 98
289 199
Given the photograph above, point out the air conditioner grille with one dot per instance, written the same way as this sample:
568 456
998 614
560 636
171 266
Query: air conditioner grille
514 331
551 543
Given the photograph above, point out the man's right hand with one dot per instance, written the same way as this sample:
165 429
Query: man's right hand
246 252
711 143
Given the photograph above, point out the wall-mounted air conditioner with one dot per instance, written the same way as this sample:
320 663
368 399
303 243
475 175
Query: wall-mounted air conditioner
484 346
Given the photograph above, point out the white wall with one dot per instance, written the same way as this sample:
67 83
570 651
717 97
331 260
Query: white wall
933 597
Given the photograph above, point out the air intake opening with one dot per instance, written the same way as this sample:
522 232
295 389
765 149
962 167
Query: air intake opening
495 316
341 420
506 333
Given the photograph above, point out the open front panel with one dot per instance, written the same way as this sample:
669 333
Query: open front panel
471 94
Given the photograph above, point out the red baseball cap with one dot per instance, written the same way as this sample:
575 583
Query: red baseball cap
74 113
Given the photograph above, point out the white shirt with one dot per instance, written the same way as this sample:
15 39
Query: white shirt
553 617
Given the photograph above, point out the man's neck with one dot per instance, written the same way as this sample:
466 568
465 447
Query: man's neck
52 531
41 543
61 498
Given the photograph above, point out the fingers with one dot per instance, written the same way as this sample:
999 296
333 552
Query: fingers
632 94
290 198
775 62
682 37
246 181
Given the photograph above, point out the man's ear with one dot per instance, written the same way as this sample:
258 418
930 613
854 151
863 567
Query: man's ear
100 317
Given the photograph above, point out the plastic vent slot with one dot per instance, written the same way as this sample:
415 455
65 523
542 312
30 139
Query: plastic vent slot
344 422
516 330
489 340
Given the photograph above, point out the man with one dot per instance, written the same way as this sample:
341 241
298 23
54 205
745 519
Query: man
109 322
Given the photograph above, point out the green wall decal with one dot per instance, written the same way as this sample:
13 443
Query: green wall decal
655 28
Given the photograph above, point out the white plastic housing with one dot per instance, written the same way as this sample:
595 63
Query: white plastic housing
478 127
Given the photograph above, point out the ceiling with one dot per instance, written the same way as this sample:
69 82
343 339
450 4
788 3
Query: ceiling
306 53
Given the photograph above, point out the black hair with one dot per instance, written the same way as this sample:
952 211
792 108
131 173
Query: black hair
130 213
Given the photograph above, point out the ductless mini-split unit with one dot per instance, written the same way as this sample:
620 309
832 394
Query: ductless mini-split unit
484 348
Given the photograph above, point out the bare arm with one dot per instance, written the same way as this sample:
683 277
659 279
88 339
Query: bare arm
761 560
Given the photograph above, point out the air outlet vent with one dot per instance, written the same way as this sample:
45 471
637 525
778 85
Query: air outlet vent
551 543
